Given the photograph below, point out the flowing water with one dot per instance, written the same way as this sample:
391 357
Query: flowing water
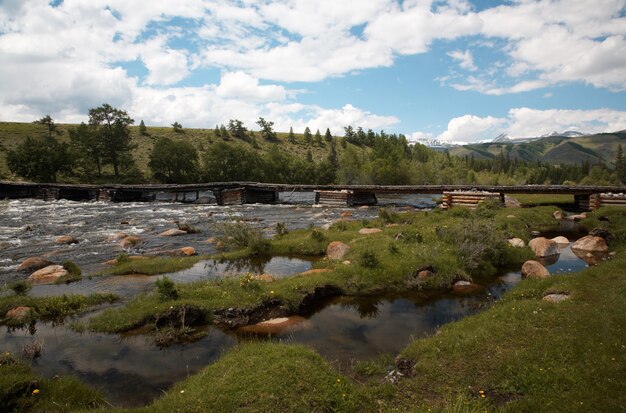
131 369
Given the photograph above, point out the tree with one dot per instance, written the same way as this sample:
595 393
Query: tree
87 149
349 135
112 128
174 162
318 138
39 159
266 129
291 137
328 136
332 155
620 164
224 162
308 138
142 128
48 122
178 128
237 130
309 155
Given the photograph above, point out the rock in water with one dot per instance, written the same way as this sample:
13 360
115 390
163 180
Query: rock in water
66 239
591 243
543 247
337 250
534 269
33 264
19 314
130 241
558 215
561 240
172 233
276 325
47 275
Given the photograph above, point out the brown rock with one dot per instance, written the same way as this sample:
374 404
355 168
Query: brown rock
465 287
211 240
276 325
188 251
558 215
543 247
316 271
33 264
591 243
179 252
47 275
116 237
130 241
517 243
174 232
534 269
578 217
345 214
337 250
556 298
367 231
66 239
19 314
561 240
347 262
424 274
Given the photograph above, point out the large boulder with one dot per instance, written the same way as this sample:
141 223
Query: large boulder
19 314
66 240
33 264
534 269
130 241
591 243
174 232
561 240
543 247
367 231
558 215
48 275
337 250
517 243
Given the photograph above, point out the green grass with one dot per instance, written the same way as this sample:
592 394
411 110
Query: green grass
54 307
531 200
153 265
420 239
23 391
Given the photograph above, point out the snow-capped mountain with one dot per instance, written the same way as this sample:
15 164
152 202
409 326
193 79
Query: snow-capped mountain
503 137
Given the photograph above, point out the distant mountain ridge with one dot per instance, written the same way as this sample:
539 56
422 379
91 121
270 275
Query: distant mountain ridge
569 147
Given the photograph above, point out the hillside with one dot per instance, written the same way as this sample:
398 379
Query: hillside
553 149
12 133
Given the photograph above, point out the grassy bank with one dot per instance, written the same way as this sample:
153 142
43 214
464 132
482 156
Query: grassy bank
458 244
521 354
23 391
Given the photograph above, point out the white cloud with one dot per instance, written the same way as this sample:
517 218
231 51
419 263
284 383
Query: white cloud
526 122
465 59
238 85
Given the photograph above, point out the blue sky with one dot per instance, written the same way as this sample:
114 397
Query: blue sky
454 70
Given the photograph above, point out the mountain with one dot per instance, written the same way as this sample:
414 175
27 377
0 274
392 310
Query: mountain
556 148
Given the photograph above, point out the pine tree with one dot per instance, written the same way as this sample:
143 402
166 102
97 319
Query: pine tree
328 136
308 138
142 128
620 165
332 156
216 131
318 138
291 137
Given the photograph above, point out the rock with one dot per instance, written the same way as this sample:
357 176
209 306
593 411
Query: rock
591 243
345 214
179 252
561 240
211 240
535 233
543 247
510 202
534 269
517 243
337 250
558 214
578 217
276 325
263 277
465 287
316 271
174 232
33 264
19 314
130 241
367 231
47 275
347 262
556 298
117 236
591 258
66 240
325 227
424 274
602 233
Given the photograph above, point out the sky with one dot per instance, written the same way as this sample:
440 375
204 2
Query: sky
456 70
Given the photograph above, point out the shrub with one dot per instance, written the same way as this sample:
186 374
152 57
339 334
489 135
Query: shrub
317 235
368 259
240 235
387 217
393 248
166 289
20 287
281 229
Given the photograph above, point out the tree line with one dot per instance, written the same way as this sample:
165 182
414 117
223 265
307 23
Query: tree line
102 149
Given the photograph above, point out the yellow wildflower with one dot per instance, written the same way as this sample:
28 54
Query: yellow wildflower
36 392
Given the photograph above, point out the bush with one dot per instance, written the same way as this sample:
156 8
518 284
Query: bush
317 235
368 259
240 235
281 229
166 289
387 217
20 287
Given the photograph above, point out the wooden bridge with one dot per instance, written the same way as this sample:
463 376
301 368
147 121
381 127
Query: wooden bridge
232 193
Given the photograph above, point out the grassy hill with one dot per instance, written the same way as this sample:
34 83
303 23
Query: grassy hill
12 133
553 149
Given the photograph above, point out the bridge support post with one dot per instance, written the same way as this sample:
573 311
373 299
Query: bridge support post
469 199
49 194
584 202
345 198
105 195
238 196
